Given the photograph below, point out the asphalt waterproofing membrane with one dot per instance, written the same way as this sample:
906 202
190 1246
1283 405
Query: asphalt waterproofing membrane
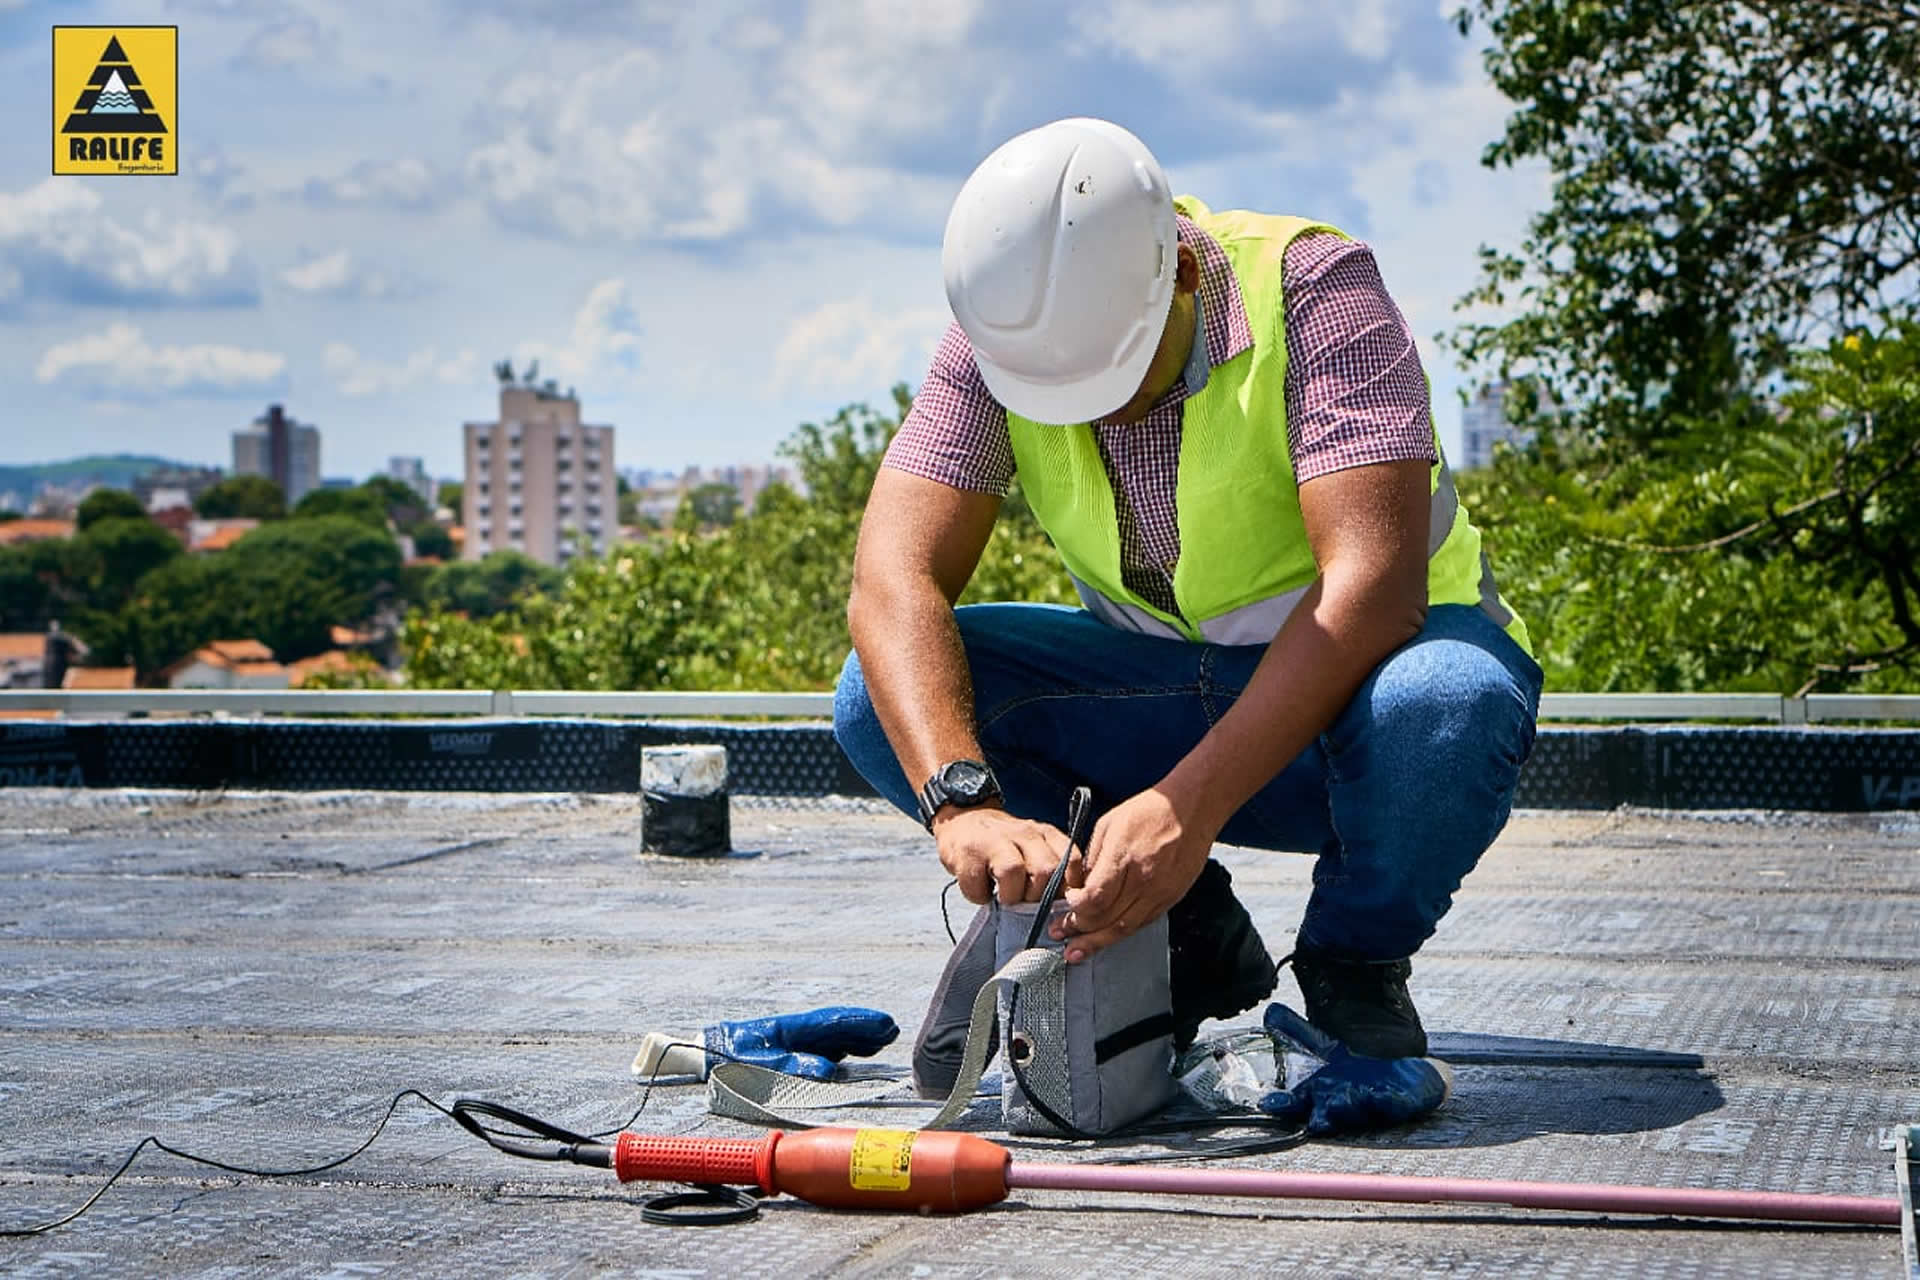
1725 1000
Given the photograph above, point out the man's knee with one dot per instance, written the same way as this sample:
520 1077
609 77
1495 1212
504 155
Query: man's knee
1456 700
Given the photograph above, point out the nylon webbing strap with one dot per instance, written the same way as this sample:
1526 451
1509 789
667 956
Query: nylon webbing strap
742 1091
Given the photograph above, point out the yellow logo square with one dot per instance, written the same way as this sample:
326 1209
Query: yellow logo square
116 95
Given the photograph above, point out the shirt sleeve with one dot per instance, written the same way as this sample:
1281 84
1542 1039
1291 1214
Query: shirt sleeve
1356 393
956 432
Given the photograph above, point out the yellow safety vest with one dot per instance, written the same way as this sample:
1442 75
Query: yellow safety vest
1244 558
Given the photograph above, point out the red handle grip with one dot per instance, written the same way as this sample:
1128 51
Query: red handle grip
639 1157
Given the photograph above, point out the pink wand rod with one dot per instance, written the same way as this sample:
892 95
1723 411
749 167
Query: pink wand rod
1402 1189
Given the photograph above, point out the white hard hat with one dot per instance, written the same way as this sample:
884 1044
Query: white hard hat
1060 256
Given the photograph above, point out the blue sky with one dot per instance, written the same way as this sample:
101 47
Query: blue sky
716 220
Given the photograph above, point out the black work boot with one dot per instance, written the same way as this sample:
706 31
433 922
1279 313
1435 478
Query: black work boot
1216 961
1364 1004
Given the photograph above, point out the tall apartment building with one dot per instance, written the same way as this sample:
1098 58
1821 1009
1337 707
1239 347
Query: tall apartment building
412 472
284 451
1483 424
537 479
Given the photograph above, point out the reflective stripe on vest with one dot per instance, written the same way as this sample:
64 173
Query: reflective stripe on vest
1259 622
1244 560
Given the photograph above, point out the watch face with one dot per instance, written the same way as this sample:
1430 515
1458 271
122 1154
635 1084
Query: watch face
966 780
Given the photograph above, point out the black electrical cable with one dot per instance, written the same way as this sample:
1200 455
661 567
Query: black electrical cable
577 1148
945 919
153 1141
709 1204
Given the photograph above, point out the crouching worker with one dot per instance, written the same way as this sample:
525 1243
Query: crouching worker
1290 638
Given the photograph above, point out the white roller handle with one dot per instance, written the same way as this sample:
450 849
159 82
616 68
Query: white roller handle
664 1054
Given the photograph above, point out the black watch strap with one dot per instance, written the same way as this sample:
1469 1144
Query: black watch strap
965 783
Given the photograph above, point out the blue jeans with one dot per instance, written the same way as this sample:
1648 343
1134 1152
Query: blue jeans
1399 796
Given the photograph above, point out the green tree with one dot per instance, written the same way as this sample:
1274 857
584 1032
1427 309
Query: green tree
84 581
1730 180
248 496
451 496
64 571
714 504
1775 551
124 550
492 584
24 595
429 539
402 504
358 503
777 498
838 461
630 512
285 584
107 504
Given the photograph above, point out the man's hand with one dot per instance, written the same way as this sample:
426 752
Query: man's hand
1144 856
987 849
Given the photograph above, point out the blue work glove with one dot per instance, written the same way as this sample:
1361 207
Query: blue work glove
802 1044
1351 1093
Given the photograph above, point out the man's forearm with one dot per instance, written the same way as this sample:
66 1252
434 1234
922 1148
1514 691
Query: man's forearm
1327 648
916 673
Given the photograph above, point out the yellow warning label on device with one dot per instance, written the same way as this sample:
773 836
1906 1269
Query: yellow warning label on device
882 1160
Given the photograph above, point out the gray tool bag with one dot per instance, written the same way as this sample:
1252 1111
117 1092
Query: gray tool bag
1087 1048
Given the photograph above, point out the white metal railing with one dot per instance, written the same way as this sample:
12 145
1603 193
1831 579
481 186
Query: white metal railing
449 702
1766 708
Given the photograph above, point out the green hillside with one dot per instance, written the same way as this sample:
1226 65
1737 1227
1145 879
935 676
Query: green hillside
116 470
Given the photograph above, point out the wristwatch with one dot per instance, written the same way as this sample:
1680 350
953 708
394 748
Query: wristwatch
965 783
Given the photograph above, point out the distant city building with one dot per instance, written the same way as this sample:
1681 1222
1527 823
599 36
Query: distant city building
57 501
537 479
34 529
284 451
227 664
165 499
412 472
177 520
660 490
38 660
1483 424
174 486
98 678
22 654
749 479
218 535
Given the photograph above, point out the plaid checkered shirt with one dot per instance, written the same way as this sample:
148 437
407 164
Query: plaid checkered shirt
1355 394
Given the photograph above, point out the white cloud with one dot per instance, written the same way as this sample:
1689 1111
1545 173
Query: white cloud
1189 33
57 237
336 274
122 362
644 147
355 375
604 341
329 274
219 177
406 183
293 40
860 71
852 344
